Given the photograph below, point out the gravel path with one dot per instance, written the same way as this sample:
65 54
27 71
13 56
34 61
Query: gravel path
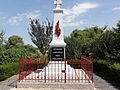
10 84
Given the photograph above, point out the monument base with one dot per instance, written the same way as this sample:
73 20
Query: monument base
55 78
58 72
57 54
56 86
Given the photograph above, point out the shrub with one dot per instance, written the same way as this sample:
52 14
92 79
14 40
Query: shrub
108 69
8 70
74 62
14 54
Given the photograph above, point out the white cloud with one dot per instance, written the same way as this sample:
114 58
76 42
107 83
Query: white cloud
74 23
71 14
20 17
80 8
116 8
69 18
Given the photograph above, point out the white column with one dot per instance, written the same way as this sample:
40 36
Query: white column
58 41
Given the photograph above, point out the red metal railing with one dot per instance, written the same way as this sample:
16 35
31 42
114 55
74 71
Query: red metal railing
29 65
25 67
87 66
73 69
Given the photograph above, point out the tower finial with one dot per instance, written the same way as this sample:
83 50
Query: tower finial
58 3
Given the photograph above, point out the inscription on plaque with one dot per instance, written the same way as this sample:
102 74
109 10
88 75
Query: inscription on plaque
57 53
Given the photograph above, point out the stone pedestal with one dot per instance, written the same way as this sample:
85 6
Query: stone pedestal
57 45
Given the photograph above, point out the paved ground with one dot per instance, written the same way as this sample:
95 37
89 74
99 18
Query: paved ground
103 84
10 84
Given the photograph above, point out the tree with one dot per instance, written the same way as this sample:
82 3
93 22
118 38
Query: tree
15 41
1 38
41 34
86 38
117 29
101 43
73 48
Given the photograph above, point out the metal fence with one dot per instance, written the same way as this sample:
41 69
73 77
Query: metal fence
72 70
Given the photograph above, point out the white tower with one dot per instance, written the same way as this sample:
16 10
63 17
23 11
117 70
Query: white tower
58 36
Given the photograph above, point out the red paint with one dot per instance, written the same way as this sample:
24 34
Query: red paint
27 66
57 30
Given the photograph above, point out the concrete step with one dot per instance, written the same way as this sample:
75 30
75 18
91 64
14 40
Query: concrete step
56 86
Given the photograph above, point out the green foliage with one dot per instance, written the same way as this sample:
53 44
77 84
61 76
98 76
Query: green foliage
100 43
14 41
15 49
2 38
117 30
73 48
116 66
85 38
72 61
109 69
107 46
14 54
8 70
40 63
41 34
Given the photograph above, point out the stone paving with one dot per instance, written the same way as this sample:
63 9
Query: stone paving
9 83
102 84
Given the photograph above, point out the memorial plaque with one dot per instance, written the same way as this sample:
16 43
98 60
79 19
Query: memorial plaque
57 53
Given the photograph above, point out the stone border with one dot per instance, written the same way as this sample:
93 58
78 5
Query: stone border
86 86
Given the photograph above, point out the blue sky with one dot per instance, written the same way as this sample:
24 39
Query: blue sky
78 14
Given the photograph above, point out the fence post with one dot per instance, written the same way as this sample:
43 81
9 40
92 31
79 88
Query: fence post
45 70
19 70
65 70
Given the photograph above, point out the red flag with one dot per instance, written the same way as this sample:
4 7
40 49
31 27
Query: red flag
57 30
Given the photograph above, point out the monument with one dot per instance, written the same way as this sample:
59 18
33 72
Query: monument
57 71
57 44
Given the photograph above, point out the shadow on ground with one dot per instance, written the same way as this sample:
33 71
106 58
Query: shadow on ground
108 79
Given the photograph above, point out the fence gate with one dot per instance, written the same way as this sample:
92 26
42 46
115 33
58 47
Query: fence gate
42 70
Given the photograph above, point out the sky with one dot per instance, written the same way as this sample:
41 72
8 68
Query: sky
78 14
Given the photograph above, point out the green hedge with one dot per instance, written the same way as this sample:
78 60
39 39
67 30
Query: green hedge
8 70
108 69
13 55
